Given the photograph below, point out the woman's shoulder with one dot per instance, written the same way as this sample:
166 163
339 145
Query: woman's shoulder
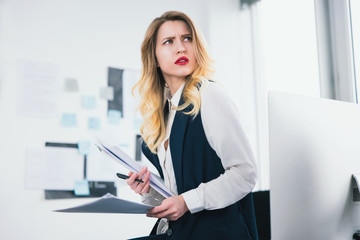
212 90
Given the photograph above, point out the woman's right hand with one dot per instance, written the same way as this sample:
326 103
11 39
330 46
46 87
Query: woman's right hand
139 187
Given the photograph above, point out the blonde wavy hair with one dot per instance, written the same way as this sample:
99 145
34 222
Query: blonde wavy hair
151 84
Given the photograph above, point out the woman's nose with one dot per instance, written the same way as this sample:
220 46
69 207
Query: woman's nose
180 47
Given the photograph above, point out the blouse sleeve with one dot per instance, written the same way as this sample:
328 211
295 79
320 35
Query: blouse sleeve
227 137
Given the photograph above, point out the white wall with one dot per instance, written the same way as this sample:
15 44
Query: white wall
83 38
287 61
231 45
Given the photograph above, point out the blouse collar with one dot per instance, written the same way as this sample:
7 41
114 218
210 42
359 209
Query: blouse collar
174 100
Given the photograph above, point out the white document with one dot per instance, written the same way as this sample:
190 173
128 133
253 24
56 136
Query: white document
53 168
129 102
39 89
120 156
109 204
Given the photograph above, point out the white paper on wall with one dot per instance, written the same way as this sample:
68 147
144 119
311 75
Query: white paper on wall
53 168
38 89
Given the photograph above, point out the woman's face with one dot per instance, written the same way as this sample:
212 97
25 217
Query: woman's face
175 51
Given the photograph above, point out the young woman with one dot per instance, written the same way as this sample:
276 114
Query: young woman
191 133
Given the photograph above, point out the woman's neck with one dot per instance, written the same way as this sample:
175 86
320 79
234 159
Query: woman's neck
174 85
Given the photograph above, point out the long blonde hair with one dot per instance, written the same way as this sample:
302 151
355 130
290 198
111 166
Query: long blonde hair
151 84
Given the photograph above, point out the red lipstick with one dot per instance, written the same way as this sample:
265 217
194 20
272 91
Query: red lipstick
182 61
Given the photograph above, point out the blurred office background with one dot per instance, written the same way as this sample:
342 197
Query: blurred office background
309 47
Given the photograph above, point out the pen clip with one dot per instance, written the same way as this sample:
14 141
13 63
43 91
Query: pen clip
98 147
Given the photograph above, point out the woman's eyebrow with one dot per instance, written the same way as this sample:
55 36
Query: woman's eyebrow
173 37
167 38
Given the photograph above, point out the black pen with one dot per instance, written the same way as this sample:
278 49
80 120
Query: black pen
126 177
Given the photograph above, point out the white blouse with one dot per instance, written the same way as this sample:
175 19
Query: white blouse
220 119
163 154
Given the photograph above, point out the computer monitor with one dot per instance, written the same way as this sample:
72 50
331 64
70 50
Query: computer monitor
314 150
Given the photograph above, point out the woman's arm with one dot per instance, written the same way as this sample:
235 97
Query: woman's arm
226 136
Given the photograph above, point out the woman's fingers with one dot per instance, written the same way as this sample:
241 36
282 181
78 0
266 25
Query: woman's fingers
142 171
146 184
143 187
171 208
132 178
136 186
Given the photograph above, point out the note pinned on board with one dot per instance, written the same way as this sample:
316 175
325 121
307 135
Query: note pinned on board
84 147
137 123
68 120
107 93
130 78
82 188
94 123
89 102
114 116
71 85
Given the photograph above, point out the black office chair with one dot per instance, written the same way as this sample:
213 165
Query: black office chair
262 214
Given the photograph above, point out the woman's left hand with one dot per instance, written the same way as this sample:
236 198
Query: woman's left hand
171 208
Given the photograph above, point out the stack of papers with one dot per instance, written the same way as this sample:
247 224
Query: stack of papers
120 156
109 204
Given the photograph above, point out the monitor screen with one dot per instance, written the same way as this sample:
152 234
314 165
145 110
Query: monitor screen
314 149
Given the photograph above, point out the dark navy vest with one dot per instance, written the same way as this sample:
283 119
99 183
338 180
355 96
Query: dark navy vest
195 162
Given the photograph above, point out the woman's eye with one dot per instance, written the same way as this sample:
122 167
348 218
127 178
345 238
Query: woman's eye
168 41
188 39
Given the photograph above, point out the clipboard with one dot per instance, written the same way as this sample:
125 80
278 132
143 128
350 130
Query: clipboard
125 160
